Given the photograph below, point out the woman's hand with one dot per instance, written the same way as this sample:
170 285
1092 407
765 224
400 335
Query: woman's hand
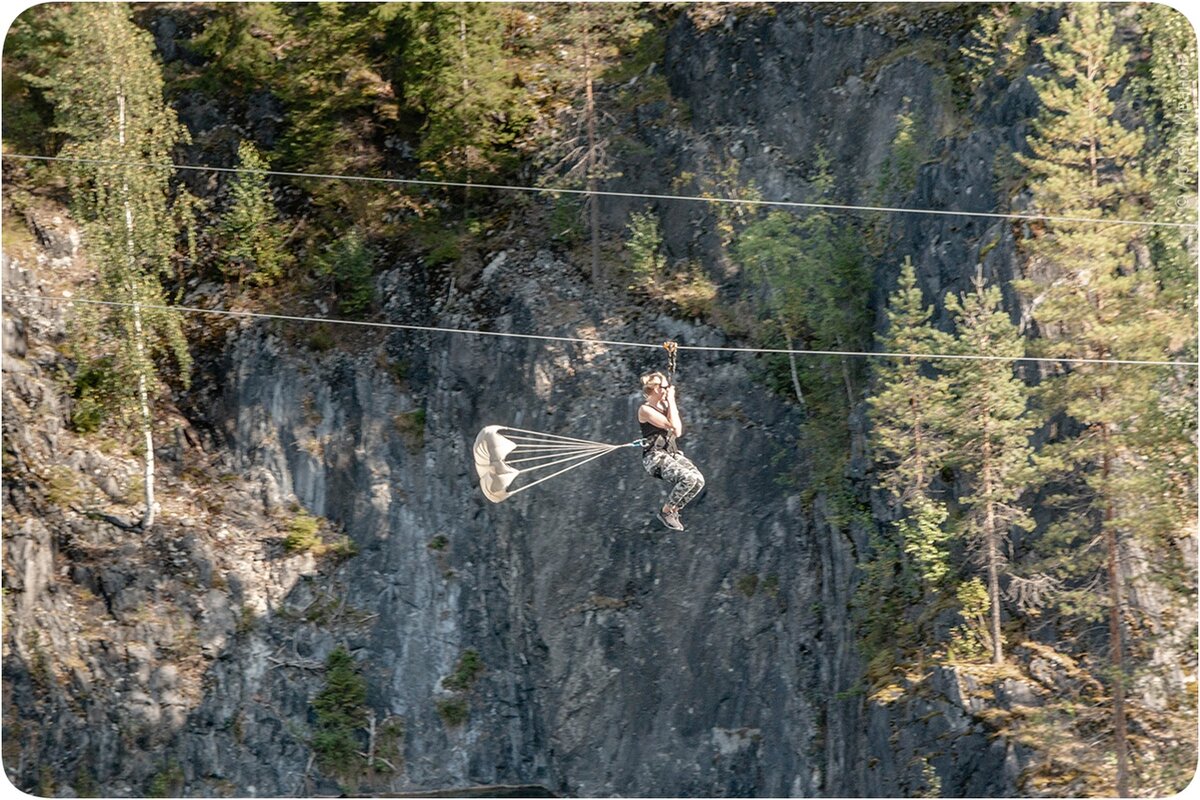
670 392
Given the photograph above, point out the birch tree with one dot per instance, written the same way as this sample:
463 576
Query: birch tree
106 89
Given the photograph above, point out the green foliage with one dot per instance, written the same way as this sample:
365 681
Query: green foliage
1098 294
691 291
997 45
341 714
1081 150
93 393
878 604
566 220
1098 301
464 87
323 63
644 244
466 672
241 44
63 487
331 89
454 711
969 641
320 338
909 406
989 426
304 536
925 541
349 262
85 783
411 427
748 584
110 109
28 116
814 287
168 782
898 174
443 242
1171 148
251 234
439 542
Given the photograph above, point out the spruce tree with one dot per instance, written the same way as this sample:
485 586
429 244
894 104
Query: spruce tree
1169 88
989 429
107 93
251 234
908 414
1093 297
462 82
907 410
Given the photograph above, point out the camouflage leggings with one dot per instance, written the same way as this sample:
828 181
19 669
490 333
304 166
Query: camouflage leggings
675 468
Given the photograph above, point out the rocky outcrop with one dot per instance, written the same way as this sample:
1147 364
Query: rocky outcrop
613 658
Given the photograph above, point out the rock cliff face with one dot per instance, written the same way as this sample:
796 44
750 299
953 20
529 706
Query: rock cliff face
617 658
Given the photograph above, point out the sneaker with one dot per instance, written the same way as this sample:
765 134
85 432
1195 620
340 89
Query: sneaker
670 520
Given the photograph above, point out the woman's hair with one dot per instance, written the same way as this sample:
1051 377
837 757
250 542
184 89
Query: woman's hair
651 380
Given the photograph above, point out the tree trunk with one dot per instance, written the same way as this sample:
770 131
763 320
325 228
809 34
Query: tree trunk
1116 643
993 554
139 341
146 419
590 114
994 591
466 88
795 371
846 375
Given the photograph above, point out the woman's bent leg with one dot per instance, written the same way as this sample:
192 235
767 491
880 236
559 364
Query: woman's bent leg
679 470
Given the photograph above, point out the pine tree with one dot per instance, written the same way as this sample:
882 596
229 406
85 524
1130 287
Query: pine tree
251 234
989 430
341 712
586 37
339 105
906 410
106 89
242 43
997 45
462 82
1171 150
1094 297
908 415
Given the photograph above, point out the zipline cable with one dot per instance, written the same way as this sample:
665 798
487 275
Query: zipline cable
608 342
605 193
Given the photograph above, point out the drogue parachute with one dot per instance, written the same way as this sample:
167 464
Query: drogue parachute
503 455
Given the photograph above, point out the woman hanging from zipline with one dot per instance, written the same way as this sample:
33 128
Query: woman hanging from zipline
661 457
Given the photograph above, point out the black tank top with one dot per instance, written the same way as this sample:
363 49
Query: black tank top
656 438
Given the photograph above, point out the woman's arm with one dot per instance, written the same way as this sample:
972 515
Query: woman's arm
668 422
673 412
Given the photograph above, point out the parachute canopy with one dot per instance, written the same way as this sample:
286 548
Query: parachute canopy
494 475
504 454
